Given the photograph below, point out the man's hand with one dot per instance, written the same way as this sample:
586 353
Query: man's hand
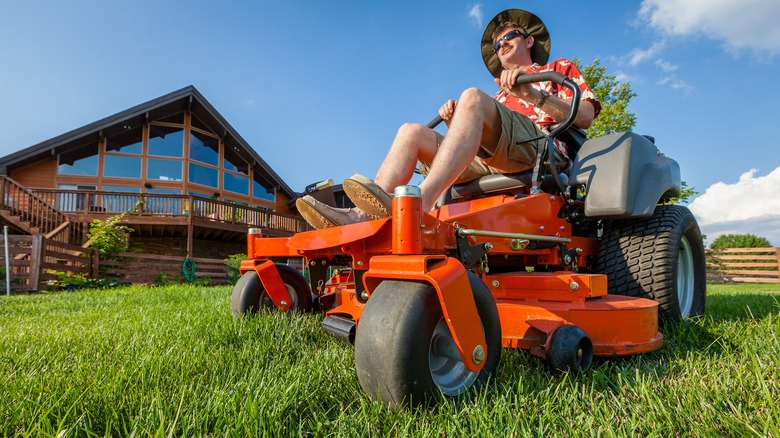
448 110
508 83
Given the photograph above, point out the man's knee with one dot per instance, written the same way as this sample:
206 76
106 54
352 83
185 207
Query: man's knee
474 98
413 136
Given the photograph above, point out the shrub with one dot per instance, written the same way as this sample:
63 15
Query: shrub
233 264
109 237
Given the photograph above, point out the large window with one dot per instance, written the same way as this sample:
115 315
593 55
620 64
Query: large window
203 175
129 141
235 183
165 170
262 190
121 167
166 141
79 161
234 162
204 148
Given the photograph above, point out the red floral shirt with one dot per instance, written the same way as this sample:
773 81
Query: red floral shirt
543 120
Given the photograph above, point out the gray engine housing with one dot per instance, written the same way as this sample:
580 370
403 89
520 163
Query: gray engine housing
624 175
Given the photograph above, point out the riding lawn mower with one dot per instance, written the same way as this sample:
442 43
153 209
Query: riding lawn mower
567 265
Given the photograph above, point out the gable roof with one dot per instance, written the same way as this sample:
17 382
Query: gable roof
188 98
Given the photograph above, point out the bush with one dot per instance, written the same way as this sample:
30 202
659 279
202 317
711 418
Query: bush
233 264
739 241
66 281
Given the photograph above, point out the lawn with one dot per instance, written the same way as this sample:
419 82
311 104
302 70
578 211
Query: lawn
143 361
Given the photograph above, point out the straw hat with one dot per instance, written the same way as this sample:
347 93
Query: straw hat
540 52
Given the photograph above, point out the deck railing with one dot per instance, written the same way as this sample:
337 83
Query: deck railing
32 210
92 202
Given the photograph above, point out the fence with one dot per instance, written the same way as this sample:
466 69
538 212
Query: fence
743 265
149 268
33 258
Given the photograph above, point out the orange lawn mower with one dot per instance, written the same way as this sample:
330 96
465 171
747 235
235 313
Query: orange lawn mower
520 260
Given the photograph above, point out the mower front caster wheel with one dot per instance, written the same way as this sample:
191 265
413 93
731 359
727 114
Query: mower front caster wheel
249 296
570 349
404 350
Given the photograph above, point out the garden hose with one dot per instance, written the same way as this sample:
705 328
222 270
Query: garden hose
188 270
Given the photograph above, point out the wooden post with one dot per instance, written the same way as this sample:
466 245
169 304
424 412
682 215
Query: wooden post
36 262
189 225
777 250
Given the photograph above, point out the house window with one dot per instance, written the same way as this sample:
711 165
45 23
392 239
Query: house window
204 148
79 161
261 191
166 141
234 163
235 183
203 175
129 141
121 167
165 170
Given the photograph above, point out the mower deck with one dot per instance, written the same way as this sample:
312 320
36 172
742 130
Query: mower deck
526 238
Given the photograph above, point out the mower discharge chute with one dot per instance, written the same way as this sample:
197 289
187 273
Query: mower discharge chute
521 261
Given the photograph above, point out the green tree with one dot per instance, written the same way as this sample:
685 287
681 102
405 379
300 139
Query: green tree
614 97
739 241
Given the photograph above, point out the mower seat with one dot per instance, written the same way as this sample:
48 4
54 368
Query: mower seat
496 184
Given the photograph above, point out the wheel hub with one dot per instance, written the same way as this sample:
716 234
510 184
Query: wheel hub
446 367
685 277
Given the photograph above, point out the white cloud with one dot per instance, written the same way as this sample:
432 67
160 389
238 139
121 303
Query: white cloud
638 55
677 84
665 65
476 16
621 76
750 205
740 24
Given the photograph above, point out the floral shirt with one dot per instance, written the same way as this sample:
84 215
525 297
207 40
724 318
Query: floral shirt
543 120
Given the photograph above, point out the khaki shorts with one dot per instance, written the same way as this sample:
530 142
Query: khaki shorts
511 154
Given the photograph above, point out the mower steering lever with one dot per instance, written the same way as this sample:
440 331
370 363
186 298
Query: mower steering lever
552 76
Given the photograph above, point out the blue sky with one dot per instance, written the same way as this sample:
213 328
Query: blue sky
320 88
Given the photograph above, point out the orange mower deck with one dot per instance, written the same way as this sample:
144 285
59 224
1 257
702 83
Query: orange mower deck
418 247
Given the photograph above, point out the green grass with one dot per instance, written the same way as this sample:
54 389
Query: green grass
174 361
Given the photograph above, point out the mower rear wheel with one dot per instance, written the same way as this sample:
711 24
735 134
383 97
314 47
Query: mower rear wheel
249 296
660 258
570 349
404 351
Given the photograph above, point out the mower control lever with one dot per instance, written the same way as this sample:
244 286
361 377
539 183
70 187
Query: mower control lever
552 76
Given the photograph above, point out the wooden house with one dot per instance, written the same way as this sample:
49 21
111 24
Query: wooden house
192 186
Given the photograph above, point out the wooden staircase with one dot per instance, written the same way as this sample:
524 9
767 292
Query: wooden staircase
26 212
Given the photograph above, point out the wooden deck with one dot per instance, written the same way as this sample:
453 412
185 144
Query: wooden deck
171 215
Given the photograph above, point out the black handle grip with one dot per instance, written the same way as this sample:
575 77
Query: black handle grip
435 122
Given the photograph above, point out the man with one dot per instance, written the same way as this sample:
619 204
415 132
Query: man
486 135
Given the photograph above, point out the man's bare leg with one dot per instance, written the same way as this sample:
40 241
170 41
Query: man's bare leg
475 122
412 142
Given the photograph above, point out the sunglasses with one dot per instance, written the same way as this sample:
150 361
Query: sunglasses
510 35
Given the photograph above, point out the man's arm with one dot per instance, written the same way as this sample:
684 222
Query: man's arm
556 107
559 109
